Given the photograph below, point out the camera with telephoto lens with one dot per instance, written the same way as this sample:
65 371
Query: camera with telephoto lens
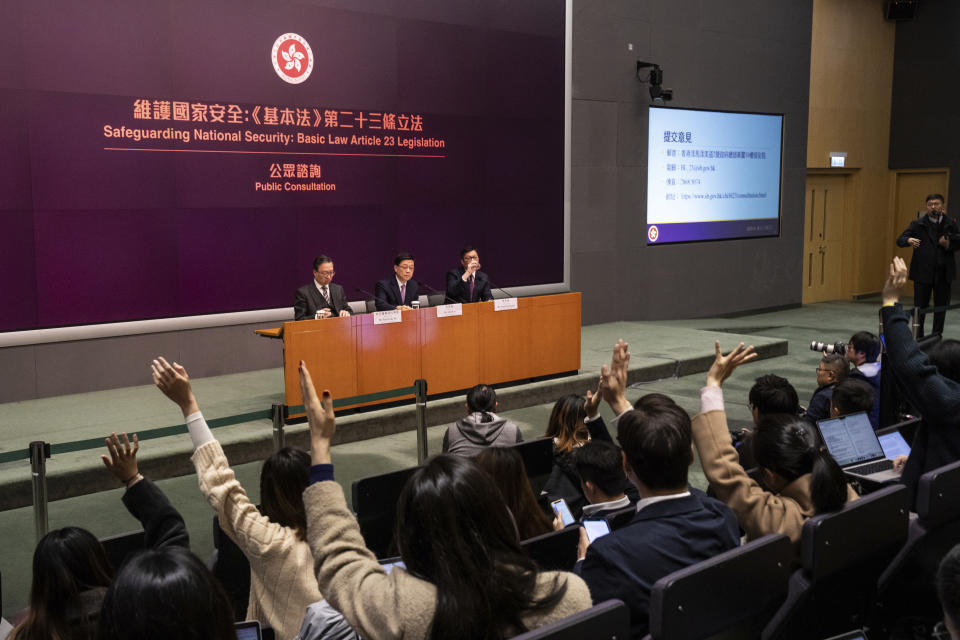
827 347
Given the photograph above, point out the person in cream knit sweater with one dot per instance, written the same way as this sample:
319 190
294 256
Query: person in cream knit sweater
465 574
282 582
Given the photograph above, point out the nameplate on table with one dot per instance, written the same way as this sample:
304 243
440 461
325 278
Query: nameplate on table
387 317
449 310
504 304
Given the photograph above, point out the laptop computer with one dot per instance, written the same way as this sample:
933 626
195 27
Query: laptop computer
854 445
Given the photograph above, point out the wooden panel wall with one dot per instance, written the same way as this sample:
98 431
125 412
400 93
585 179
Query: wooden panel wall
851 78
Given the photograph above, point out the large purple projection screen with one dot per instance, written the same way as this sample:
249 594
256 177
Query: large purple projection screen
181 157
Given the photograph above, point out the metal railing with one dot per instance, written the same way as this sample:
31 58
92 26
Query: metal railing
39 451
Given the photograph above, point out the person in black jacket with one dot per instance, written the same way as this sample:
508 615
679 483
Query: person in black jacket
937 397
934 238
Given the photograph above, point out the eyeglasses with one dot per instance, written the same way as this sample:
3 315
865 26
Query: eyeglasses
329 274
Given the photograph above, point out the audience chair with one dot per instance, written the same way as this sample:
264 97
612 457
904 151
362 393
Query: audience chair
906 592
732 595
232 568
554 551
620 517
907 429
537 461
609 620
842 555
122 545
375 503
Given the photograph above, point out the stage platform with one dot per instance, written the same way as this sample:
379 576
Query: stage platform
658 351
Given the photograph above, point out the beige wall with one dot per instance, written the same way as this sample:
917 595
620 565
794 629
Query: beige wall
851 77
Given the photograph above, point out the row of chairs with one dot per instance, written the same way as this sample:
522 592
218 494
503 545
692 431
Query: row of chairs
867 565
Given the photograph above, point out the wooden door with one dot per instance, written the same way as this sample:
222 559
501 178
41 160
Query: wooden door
823 238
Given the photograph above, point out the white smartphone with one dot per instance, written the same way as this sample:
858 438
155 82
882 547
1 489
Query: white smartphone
560 508
595 529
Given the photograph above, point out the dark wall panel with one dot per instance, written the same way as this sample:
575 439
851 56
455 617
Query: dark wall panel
741 55
924 119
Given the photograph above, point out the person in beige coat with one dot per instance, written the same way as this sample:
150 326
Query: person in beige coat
801 478
465 573
282 583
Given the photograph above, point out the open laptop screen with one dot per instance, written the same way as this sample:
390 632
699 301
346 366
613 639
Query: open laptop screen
850 439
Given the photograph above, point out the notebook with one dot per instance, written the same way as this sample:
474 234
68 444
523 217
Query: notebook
894 444
853 443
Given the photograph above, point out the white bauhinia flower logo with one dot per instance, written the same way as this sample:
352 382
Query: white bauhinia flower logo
292 58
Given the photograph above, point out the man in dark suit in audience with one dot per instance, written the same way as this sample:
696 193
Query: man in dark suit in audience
321 294
467 283
600 467
674 526
400 291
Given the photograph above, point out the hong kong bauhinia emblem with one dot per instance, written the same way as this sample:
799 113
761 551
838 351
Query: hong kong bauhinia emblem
292 58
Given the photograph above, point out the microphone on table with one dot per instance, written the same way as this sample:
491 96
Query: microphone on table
509 295
377 298
445 296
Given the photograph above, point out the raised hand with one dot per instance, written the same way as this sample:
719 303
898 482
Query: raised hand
320 416
174 382
613 378
896 278
724 365
122 462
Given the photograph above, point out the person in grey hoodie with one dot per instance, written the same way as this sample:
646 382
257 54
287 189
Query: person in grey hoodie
481 428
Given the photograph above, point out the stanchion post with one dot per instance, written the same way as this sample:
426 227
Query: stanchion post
39 452
279 417
916 322
421 420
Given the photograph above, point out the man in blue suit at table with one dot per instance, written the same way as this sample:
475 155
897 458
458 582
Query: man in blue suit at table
674 527
400 291
467 283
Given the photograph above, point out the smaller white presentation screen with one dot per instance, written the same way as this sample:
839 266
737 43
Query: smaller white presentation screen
712 175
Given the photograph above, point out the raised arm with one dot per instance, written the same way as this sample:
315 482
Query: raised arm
935 396
162 524
348 573
240 519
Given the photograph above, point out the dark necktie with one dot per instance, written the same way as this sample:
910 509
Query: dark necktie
403 293
471 288
325 293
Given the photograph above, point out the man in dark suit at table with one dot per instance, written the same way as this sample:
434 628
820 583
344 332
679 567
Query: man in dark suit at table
400 291
321 295
467 283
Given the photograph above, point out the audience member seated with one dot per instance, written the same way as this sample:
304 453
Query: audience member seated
166 593
600 466
862 353
931 384
674 526
772 394
948 590
466 575
481 428
801 478
831 370
71 571
71 574
852 395
505 468
282 583
569 432
769 394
